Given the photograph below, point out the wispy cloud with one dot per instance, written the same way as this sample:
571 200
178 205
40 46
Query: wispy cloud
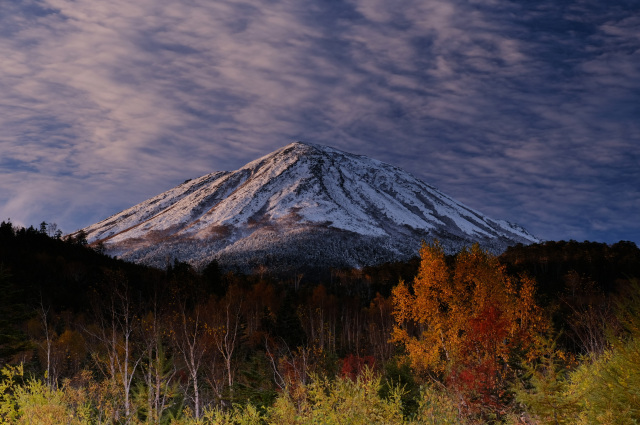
526 111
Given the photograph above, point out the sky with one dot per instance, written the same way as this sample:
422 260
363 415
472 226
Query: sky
527 111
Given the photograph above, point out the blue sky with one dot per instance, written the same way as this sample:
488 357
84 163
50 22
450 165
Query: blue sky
524 110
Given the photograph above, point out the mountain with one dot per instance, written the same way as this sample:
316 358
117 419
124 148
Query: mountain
302 206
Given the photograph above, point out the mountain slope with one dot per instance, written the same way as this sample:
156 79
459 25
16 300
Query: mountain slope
303 204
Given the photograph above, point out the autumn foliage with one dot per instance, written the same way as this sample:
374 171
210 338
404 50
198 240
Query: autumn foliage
467 323
468 339
354 365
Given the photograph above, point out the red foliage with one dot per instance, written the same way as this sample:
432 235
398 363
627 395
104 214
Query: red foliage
488 330
479 375
354 365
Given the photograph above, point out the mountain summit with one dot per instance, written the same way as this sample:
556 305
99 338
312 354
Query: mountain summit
302 206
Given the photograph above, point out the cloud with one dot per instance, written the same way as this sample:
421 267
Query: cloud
525 111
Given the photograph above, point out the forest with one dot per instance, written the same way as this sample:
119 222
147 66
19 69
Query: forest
543 334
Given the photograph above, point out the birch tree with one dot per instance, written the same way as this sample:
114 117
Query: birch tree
116 331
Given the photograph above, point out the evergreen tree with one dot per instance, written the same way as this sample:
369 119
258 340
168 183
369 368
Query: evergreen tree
13 312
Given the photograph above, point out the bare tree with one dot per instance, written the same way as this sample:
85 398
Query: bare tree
319 319
60 353
591 313
159 371
380 324
117 325
190 339
289 368
51 375
225 325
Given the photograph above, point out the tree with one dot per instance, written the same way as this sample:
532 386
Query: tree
225 326
52 367
588 313
319 319
425 313
190 339
158 368
117 333
79 238
380 323
467 323
545 391
12 312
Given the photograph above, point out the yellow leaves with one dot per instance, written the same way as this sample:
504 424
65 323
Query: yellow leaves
402 301
31 401
434 314
424 316
433 268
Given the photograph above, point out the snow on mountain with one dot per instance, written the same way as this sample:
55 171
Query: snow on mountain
304 205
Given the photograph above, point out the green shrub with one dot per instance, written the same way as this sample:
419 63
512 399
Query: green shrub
33 402
340 401
438 408
609 386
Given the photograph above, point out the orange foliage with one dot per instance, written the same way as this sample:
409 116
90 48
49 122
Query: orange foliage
467 322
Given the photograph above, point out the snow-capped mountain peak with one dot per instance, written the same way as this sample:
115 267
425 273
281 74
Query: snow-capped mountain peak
301 204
